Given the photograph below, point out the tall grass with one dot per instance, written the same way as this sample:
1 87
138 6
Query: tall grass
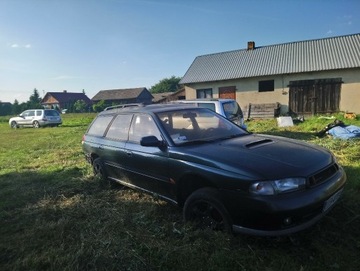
54 215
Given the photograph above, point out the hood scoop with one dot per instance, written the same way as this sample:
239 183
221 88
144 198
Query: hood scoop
258 143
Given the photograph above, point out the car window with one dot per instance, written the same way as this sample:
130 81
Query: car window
207 105
119 128
29 113
98 127
143 125
38 112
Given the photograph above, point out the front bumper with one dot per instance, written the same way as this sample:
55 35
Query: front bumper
286 231
284 214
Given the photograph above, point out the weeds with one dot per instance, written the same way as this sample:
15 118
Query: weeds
54 215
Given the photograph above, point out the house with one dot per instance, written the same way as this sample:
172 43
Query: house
304 77
5 108
124 96
169 96
63 100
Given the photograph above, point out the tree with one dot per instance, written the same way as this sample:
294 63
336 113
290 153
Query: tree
80 106
99 106
16 108
34 100
166 85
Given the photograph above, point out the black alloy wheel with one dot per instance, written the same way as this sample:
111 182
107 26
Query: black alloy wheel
98 169
204 208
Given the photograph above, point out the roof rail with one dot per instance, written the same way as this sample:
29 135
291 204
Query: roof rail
123 106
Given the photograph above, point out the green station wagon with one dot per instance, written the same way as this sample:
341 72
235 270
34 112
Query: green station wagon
222 176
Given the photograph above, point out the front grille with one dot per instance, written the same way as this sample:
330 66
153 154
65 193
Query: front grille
323 175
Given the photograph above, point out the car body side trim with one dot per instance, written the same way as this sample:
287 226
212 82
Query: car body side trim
145 190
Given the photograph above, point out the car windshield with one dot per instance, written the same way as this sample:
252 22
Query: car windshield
198 125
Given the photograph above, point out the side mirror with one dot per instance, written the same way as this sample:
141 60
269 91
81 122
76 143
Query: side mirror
151 141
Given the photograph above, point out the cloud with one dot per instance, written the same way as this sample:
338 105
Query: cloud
15 45
329 32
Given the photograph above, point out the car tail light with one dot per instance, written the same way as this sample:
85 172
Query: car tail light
83 139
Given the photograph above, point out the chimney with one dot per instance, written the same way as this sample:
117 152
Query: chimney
251 45
65 91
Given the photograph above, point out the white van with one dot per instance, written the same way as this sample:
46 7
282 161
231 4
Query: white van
228 108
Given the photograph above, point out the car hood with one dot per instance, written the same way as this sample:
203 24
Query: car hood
260 156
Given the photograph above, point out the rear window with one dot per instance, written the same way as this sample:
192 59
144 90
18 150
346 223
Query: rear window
211 106
51 113
98 127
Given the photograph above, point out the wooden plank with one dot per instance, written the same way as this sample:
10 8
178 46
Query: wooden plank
266 110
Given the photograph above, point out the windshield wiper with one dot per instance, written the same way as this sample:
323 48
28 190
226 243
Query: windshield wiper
231 136
195 142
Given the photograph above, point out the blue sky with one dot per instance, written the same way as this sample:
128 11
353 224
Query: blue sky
56 45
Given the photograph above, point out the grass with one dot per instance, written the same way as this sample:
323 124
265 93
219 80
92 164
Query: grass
54 215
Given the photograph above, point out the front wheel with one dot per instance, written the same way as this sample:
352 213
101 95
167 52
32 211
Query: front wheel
36 124
14 125
205 209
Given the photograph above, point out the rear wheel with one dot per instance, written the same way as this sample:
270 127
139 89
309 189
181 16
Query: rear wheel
98 169
14 125
205 209
36 124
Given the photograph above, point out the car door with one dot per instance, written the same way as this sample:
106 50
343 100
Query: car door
27 117
147 167
113 147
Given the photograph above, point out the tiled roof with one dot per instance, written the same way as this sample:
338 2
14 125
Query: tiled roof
118 94
160 96
334 53
64 97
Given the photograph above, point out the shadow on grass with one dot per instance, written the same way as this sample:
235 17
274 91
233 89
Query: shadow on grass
65 221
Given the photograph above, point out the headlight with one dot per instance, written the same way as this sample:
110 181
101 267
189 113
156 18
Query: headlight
277 186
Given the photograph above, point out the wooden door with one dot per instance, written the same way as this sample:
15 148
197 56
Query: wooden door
319 96
227 92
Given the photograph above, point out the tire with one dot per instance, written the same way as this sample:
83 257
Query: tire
205 209
99 169
36 124
14 125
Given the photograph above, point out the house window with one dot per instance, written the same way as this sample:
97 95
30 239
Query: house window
204 93
266 85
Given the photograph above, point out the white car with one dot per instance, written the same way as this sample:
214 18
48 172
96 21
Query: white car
36 118
227 108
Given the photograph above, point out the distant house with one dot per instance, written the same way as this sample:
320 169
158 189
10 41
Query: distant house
123 96
63 100
169 96
305 77
5 108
